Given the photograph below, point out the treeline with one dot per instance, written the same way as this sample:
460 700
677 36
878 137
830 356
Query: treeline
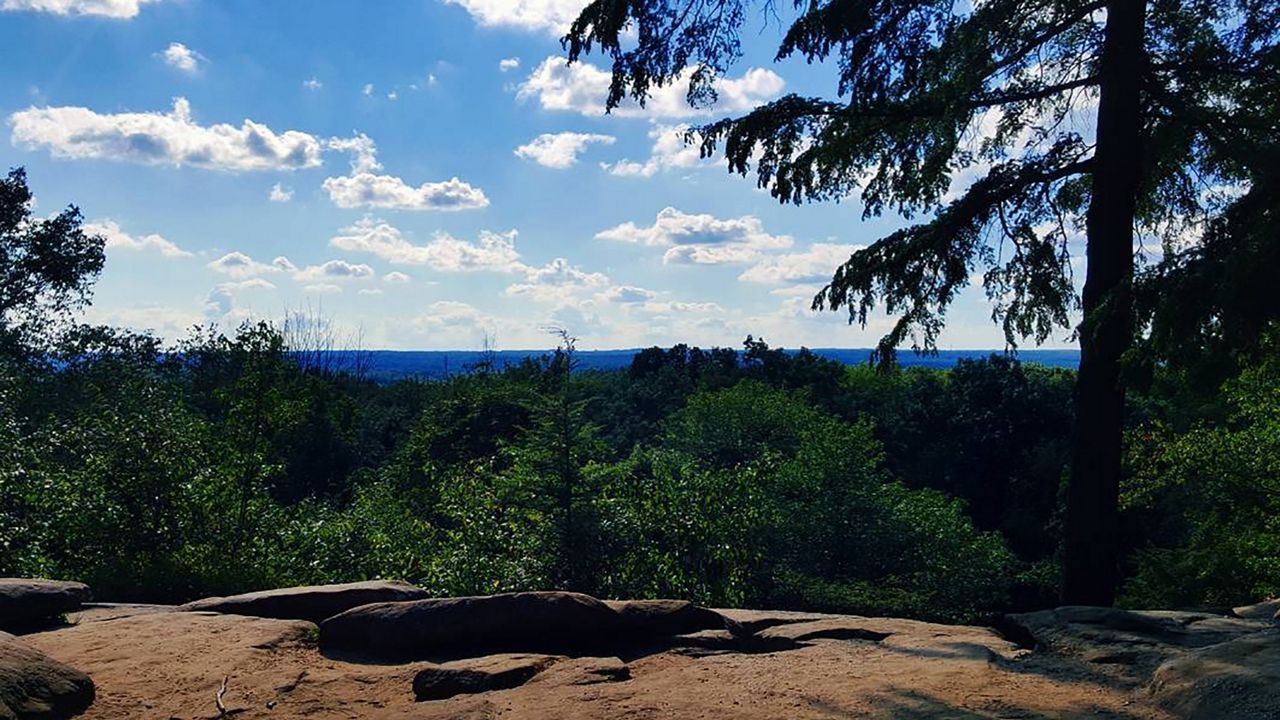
758 478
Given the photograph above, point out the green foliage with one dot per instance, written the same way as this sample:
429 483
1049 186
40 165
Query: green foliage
47 267
1213 496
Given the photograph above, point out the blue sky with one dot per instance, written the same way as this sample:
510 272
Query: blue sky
424 171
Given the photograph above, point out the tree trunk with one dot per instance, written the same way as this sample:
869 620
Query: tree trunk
1091 546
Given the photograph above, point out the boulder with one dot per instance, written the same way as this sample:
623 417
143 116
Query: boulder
1234 680
313 604
1265 610
499 672
24 601
555 622
655 619
35 686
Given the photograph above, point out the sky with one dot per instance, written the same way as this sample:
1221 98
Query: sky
425 173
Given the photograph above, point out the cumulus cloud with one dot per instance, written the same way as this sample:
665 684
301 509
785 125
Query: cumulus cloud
118 239
814 265
367 190
551 16
395 277
669 151
119 9
280 193
560 150
155 138
492 252
370 291
509 64
701 239
181 57
558 281
238 265
323 289
333 270
312 84
583 88
366 187
627 295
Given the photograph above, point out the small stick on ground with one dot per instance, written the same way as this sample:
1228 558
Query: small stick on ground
217 699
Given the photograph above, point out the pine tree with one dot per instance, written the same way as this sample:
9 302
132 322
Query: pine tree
1132 121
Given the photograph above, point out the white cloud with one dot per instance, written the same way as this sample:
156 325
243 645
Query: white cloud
370 291
669 151
509 64
280 193
333 270
181 57
238 265
551 16
120 9
493 252
815 265
626 295
154 138
251 284
312 84
367 91
395 277
701 239
323 289
560 150
583 88
364 187
118 239
558 281
393 96
389 192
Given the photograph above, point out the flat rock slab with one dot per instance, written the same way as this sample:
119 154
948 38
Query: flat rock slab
556 622
24 601
34 686
167 665
497 672
1265 610
656 619
313 604
1235 680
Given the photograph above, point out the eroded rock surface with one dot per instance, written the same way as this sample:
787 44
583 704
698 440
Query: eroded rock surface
313 604
151 663
34 686
514 622
25 601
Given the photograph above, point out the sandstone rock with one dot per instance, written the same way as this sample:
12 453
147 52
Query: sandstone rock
313 604
35 686
1234 680
655 619
499 672
1077 626
1265 610
24 601
514 622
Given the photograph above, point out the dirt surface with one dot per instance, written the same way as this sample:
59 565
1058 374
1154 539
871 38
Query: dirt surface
155 664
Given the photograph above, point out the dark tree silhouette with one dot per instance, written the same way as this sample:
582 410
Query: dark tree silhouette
1130 120
47 266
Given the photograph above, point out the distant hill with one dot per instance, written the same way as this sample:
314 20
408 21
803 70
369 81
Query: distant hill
391 365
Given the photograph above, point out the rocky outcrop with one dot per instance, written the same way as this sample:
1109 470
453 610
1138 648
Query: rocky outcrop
25 602
1235 680
34 686
499 672
664 618
1265 610
554 622
1196 665
313 604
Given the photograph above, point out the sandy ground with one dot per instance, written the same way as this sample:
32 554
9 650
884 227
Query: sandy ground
171 665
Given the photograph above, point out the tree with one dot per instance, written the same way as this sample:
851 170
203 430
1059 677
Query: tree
47 267
1127 119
